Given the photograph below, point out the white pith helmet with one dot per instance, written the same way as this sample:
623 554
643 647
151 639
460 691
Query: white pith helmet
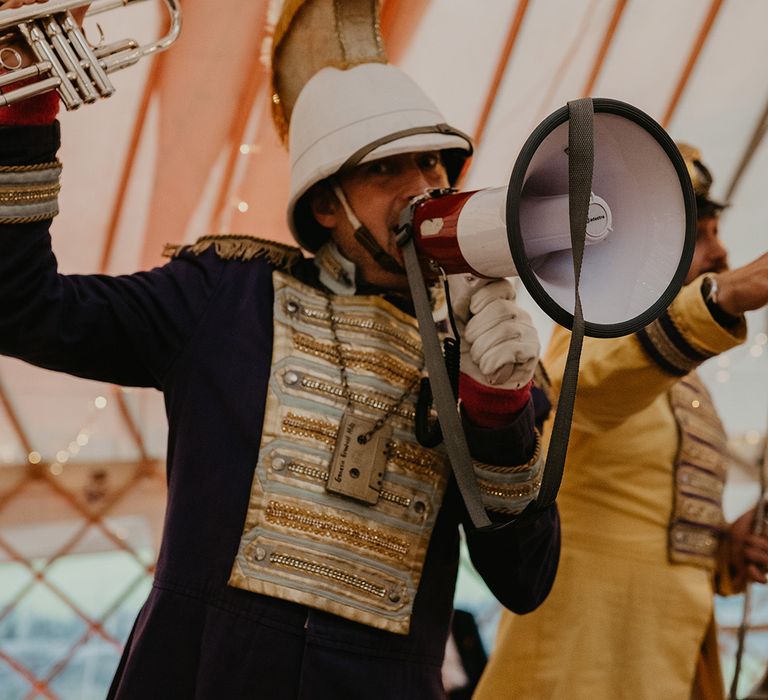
346 117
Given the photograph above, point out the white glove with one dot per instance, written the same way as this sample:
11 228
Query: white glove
500 345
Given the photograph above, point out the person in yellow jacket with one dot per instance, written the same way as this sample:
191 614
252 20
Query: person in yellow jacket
644 541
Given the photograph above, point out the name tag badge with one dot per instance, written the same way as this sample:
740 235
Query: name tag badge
357 469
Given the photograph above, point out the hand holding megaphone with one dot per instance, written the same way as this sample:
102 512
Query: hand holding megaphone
500 345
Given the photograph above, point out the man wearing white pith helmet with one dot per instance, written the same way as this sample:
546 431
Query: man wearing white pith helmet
310 546
329 140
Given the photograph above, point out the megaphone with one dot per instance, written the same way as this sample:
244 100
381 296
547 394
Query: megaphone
598 221
640 231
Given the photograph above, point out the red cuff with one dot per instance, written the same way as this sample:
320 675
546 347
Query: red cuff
35 111
488 406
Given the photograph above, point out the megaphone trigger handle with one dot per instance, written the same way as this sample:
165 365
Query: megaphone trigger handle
428 434
452 321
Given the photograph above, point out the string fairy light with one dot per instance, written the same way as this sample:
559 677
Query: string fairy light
723 376
248 149
74 446
728 363
749 352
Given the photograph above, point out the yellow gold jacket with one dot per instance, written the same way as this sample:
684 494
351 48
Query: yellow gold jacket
642 521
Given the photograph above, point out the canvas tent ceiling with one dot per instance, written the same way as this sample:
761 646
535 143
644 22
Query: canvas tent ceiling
186 147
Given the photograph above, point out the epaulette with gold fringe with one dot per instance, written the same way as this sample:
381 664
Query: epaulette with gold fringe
240 247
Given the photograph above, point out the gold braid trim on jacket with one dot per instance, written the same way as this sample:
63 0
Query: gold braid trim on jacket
240 247
697 524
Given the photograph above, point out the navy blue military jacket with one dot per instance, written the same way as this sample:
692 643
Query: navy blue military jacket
200 330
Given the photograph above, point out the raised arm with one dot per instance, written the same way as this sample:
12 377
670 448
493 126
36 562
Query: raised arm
621 376
127 329
518 556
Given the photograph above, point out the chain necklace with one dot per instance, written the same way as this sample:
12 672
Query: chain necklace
393 408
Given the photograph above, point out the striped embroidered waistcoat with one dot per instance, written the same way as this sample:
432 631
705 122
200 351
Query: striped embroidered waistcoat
697 519
301 542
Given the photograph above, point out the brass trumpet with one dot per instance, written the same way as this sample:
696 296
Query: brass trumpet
65 60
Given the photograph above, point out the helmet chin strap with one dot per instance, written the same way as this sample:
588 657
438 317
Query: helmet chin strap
363 236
